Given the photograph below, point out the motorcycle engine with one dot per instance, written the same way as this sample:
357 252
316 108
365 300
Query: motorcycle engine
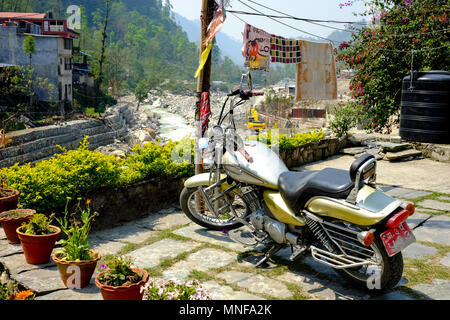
275 229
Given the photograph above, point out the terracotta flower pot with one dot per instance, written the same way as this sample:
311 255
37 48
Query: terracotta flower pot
37 249
68 269
10 202
10 224
130 292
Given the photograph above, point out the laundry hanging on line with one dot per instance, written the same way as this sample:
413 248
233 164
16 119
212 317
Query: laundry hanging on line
316 73
256 48
285 50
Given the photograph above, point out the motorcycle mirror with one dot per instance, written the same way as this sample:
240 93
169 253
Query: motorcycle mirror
203 143
249 81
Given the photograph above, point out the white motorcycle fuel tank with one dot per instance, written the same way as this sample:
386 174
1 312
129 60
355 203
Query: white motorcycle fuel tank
264 170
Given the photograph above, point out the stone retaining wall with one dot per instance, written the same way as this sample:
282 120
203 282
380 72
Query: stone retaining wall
40 143
127 203
312 151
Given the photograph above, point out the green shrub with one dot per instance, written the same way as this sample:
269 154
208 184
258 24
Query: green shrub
46 186
288 143
345 117
74 173
154 160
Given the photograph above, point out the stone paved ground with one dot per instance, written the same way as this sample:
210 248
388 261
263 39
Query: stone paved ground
169 245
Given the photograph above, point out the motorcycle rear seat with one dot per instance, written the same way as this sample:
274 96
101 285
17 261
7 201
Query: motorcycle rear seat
296 188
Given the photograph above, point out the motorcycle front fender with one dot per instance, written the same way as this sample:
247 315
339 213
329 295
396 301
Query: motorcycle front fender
202 179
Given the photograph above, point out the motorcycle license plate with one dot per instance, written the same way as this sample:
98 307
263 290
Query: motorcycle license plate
396 239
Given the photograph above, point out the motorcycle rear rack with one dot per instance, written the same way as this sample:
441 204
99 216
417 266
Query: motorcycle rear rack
337 261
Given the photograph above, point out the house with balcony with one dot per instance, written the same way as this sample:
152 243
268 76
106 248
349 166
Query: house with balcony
53 57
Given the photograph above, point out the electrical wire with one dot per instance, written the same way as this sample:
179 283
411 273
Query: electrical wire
288 16
285 24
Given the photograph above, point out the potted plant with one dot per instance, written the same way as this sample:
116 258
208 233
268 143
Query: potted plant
9 198
76 262
119 281
12 219
38 238
175 290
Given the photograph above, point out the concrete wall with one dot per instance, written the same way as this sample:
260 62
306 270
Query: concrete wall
45 60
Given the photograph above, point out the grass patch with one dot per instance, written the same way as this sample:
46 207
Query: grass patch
424 271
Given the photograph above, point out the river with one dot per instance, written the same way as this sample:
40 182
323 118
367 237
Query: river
172 126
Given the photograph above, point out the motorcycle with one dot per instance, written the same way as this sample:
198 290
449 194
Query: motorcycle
339 217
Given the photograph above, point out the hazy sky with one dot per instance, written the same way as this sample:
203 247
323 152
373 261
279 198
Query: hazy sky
313 9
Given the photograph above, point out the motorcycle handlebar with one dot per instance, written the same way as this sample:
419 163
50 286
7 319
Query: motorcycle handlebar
246 94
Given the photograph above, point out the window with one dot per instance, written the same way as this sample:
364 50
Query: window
68 63
67 44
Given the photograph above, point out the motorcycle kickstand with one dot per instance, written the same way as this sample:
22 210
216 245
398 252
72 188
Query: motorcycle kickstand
274 249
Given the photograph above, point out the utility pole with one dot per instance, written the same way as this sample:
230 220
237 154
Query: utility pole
204 78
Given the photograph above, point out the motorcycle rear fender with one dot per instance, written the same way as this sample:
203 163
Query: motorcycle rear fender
371 207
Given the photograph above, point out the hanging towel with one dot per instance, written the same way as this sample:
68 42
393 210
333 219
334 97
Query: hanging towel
215 26
205 111
316 73
285 50
256 48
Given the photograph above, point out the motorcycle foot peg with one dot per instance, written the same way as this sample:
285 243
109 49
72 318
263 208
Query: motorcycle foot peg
297 253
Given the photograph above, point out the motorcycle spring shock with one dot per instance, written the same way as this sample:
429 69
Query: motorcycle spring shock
319 233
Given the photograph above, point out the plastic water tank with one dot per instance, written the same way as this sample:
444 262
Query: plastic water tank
425 109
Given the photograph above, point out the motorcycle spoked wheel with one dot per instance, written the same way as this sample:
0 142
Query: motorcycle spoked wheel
204 217
389 269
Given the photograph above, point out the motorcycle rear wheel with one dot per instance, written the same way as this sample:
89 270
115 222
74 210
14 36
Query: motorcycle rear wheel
390 273
205 218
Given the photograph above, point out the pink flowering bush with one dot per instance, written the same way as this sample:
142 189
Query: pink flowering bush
381 57
175 290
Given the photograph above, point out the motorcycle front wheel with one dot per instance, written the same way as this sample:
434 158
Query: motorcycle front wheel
195 208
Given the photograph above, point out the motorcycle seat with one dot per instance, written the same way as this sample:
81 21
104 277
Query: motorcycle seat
296 188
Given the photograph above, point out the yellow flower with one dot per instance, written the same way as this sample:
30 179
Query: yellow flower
24 295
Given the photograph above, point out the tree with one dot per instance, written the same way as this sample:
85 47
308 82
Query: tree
29 47
141 92
410 33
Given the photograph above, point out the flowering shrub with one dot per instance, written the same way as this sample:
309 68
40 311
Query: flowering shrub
380 54
175 290
8 292
345 117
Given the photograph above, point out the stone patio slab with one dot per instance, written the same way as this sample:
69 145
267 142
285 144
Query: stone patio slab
40 281
129 232
256 283
404 193
16 263
418 251
221 292
219 238
435 204
438 290
105 247
446 260
436 229
7 249
90 292
201 260
152 255
164 219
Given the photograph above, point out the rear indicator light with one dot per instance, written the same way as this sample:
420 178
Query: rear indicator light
397 218
366 238
410 208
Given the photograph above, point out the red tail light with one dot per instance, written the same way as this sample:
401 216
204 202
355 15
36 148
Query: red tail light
397 218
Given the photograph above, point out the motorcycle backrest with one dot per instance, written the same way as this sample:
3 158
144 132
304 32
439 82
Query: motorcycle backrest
365 162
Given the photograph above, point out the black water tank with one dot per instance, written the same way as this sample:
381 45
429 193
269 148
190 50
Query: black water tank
425 113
